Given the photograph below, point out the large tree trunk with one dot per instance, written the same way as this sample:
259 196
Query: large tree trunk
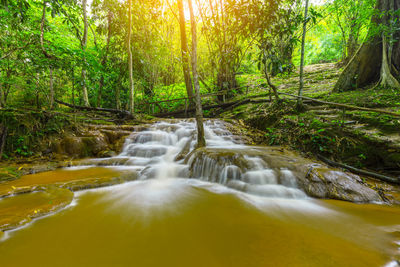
185 52
84 43
131 88
201 141
352 42
371 63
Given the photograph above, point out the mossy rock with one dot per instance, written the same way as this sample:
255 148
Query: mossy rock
75 179
20 209
81 146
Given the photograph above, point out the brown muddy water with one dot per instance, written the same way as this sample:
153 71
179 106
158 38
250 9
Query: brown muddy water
164 220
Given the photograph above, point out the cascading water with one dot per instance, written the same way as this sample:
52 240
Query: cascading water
164 150
228 204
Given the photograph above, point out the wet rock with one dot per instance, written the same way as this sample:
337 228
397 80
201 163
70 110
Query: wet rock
93 141
18 210
81 146
77 179
114 135
106 154
288 168
322 182
210 162
184 152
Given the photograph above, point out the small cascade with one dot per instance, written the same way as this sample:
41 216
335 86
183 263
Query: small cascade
166 150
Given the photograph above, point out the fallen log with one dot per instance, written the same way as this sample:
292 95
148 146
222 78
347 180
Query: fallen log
345 105
178 112
121 113
3 136
360 171
222 105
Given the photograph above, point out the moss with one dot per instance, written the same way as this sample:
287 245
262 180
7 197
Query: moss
9 173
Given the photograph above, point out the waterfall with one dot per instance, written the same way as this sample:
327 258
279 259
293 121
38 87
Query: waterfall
166 150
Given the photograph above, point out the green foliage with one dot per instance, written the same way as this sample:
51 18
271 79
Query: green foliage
26 129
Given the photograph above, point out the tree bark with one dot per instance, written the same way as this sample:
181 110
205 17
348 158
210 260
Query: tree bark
303 41
185 52
83 44
73 86
131 86
2 103
122 113
104 60
371 63
266 74
42 23
51 85
3 136
201 141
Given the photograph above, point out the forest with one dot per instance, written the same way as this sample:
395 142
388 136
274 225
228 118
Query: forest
249 125
117 54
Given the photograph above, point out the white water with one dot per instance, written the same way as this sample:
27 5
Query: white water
156 149
205 212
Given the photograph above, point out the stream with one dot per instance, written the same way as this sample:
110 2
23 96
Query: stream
229 204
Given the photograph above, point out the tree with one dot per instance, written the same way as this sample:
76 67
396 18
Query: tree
378 59
46 54
104 58
303 40
201 141
84 43
184 51
350 17
131 86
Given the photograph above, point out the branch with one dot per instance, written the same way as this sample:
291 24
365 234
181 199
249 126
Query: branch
47 55
345 105
15 49
94 35
359 171
122 113
78 32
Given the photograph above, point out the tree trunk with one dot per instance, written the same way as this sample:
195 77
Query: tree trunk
266 74
3 136
185 52
73 86
387 79
201 141
104 60
37 91
42 23
117 93
303 41
51 85
2 104
131 88
47 55
371 63
118 88
352 42
84 43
